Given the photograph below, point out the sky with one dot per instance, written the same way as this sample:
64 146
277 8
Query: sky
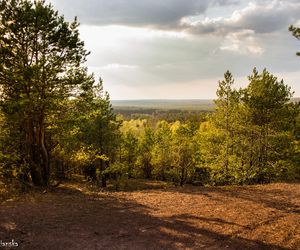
180 49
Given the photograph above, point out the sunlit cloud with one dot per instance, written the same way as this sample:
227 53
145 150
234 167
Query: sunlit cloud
116 66
180 49
242 42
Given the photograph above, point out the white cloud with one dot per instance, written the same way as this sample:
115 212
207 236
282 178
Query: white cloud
242 42
116 66
172 49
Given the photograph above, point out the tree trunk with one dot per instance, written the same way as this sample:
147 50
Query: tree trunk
103 176
44 160
38 157
182 179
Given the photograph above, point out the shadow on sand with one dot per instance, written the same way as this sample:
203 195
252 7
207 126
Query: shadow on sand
71 219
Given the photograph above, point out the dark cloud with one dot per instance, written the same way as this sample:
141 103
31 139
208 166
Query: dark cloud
134 62
260 16
266 19
157 13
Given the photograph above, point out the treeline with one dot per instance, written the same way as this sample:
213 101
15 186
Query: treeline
56 120
253 137
169 115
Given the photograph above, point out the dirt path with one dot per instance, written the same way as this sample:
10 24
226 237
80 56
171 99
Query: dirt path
73 217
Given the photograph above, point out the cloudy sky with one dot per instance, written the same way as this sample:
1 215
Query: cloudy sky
179 49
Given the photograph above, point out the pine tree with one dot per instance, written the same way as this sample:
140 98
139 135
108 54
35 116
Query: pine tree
226 120
145 152
98 127
270 113
40 57
296 33
162 152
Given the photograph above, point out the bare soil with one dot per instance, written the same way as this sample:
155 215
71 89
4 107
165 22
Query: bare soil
155 216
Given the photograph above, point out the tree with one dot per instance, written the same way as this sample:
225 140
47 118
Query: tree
97 128
221 135
252 135
296 33
130 144
224 118
131 131
184 154
146 145
162 152
270 114
40 56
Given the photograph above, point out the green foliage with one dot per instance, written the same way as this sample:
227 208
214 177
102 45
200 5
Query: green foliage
40 67
146 145
296 33
55 119
162 151
183 154
49 102
117 172
130 144
252 136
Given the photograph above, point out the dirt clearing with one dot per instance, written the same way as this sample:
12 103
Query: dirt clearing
73 216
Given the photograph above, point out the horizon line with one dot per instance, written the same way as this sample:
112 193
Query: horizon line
174 99
164 99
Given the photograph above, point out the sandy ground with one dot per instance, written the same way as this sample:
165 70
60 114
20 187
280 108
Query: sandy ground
74 216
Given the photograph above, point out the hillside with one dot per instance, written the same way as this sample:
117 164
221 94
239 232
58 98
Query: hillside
154 215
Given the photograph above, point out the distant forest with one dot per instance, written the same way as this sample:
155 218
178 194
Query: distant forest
166 109
56 120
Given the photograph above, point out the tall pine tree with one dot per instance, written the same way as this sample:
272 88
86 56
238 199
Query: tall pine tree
40 55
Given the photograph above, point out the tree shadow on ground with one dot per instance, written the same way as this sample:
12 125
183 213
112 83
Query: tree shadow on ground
272 198
71 219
